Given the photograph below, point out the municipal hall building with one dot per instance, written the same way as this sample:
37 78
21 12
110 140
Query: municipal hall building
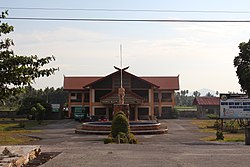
148 97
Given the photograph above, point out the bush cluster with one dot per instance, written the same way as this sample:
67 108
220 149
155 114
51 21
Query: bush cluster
120 130
219 135
213 116
231 126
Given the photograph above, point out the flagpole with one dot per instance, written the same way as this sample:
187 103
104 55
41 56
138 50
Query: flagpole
121 63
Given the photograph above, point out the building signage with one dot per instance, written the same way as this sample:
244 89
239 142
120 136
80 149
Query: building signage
55 107
234 106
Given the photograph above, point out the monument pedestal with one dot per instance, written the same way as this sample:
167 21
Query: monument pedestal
121 107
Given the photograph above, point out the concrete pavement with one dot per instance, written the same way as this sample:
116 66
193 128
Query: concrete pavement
180 147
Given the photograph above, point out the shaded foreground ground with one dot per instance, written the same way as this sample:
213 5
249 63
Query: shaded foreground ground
180 147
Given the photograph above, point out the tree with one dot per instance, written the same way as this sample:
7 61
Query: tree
29 102
209 94
38 112
183 99
18 71
242 63
196 94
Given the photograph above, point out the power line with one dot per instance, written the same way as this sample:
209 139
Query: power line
130 10
128 20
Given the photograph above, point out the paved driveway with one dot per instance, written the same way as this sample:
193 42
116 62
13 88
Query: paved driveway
180 147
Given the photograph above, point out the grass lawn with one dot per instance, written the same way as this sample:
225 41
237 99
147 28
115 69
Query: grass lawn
206 126
14 133
228 137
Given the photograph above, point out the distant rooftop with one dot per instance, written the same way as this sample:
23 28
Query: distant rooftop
207 101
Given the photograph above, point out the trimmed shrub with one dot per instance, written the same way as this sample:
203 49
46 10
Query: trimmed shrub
120 130
119 112
120 123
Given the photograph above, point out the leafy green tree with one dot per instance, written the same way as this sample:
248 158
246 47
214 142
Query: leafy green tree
242 63
18 71
33 112
29 102
40 112
50 95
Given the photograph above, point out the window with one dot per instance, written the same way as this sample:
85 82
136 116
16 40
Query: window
166 112
143 113
100 111
166 97
86 96
76 97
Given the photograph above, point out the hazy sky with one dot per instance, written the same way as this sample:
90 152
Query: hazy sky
202 53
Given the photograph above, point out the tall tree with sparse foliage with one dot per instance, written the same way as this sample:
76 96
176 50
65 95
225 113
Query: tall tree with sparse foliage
242 63
18 71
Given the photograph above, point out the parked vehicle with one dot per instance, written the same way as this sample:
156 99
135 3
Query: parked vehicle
79 116
93 118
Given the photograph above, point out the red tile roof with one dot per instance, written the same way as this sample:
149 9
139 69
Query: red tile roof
207 101
77 83
170 83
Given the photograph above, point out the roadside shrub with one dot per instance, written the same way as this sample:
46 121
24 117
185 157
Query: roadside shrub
212 116
217 125
219 135
231 126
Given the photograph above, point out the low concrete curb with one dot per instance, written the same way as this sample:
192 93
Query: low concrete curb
17 156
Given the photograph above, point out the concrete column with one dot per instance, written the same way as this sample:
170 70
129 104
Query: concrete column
90 103
83 99
69 104
152 103
136 113
160 110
